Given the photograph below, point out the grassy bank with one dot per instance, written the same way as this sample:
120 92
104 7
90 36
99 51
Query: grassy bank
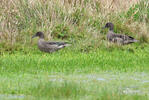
76 21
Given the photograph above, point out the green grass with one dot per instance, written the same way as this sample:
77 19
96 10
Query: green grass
92 68
71 74
121 59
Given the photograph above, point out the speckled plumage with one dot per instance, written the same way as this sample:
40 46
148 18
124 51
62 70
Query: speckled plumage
118 38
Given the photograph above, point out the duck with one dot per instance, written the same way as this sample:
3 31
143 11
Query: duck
121 39
49 46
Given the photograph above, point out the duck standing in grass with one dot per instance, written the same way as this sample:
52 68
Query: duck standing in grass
49 46
118 38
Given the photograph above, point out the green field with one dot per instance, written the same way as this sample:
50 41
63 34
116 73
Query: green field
90 69
67 74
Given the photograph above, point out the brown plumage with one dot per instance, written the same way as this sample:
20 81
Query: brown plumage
50 46
118 38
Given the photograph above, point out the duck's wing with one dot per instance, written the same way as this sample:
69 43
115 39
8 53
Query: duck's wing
57 45
126 39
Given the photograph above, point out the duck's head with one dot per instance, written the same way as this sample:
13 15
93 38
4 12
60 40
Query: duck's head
109 25
38 34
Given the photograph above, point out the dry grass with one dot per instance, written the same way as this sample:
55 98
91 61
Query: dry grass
68 19
118 5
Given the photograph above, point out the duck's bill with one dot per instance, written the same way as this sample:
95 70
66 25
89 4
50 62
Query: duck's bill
34 36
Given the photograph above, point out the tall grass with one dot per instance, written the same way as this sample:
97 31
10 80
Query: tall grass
71 20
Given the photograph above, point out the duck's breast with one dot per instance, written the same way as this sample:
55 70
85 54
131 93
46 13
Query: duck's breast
110 36
42 45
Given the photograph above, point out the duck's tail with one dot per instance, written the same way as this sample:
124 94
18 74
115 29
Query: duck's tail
131 41
64 45
67 44
136 40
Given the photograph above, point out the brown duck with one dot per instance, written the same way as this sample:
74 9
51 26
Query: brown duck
118 38
50 46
